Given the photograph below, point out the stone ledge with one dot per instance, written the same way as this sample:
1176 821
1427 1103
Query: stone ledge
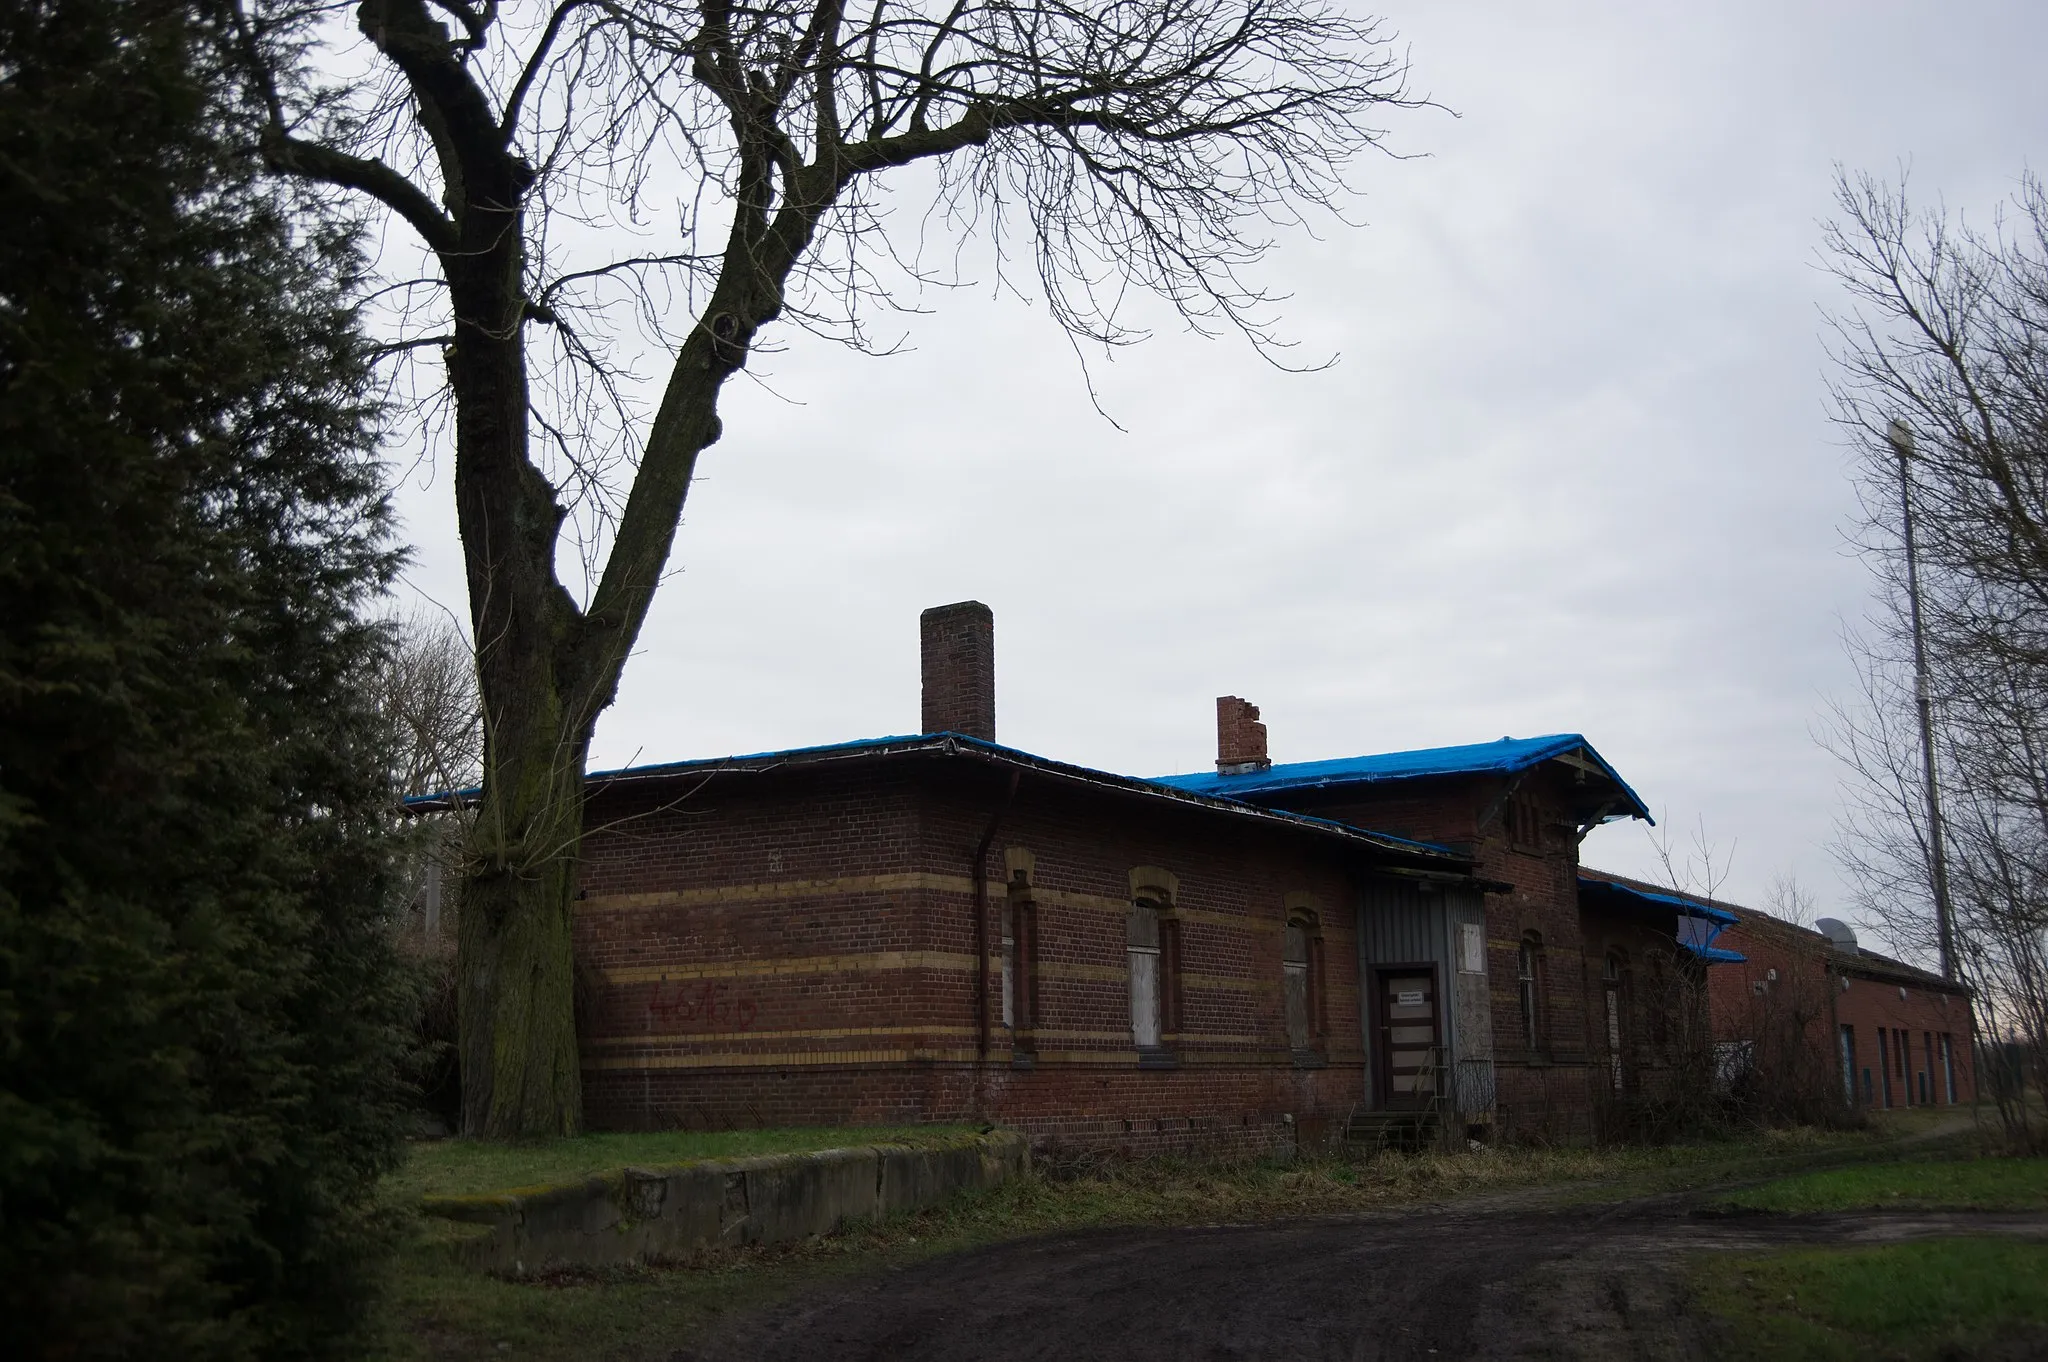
649 1215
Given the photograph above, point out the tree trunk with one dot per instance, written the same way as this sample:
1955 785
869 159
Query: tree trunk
545 669
521 1074
514 962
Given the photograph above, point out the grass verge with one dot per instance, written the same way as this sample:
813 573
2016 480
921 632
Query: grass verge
1949 1185
439 1310
455 1167
1943 1298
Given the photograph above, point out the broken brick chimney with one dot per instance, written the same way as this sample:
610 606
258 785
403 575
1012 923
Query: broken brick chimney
1240 737
958 657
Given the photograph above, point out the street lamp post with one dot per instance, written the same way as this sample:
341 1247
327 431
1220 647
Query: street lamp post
1900 435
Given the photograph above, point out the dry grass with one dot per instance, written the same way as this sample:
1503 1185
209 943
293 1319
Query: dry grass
1076 1195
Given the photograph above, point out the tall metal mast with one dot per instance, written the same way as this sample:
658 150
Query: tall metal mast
1901 437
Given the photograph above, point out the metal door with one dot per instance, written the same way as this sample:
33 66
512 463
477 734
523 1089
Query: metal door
1411 1036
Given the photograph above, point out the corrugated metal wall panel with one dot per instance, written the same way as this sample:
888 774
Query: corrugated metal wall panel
1402 925
1399 924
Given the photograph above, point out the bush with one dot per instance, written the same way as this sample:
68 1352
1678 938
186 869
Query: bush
200 1015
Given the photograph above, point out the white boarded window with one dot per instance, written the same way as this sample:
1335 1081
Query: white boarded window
1472 948
1009 966
1143 936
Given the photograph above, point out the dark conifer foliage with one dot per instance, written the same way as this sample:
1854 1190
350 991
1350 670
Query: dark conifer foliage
200 1011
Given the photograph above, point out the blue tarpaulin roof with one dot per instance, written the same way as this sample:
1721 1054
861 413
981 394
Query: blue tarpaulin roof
1505 757
1699 923
1672 900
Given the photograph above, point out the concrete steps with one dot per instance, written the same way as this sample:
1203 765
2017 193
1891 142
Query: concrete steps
1409 1130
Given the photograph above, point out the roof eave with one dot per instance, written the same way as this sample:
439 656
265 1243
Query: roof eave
1422 856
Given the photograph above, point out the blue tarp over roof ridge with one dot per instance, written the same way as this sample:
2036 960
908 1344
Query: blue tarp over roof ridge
1505 757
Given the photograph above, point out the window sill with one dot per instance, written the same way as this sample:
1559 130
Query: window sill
1023 1061
1310 1059
1158 1057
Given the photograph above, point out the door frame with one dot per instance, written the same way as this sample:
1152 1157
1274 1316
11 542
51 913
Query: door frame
1383 1058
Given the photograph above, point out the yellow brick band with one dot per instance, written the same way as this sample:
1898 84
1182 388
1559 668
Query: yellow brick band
783 890
873 962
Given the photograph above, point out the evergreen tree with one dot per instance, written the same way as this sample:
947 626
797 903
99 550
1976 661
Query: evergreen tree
201 1015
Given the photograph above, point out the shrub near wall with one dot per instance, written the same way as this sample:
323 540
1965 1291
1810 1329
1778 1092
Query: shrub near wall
198 1003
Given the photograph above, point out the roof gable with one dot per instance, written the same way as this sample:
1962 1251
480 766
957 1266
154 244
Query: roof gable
1509 756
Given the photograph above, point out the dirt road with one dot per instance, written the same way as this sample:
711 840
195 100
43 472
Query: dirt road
1468 1282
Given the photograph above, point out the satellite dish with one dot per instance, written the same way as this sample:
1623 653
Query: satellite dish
1839 932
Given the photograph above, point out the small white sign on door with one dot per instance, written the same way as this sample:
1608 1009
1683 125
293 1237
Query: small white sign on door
1408 998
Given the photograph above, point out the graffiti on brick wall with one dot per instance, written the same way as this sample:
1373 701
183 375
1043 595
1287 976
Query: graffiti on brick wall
703 1007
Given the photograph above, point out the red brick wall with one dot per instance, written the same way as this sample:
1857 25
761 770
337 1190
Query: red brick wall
801 948
1546 1087
1789 967
1661 1004
1542 1086
1869 1004
1232 883
1524 833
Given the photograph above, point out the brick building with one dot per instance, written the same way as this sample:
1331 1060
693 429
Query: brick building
1822 1012
937 927
1577 999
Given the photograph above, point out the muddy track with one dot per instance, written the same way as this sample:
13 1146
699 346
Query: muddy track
1601 1282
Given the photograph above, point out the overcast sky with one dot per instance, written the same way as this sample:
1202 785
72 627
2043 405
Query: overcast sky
1571 473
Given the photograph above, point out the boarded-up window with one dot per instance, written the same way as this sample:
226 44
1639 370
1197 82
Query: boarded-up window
1143 953
1294 983
1529 979
1009 966
1471 948
1020 962
1614 987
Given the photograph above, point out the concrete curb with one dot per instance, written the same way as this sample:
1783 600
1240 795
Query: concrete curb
649 1215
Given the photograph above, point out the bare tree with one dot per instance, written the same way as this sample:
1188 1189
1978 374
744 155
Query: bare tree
1790 901
1126 145
426 691
1947 336
1698 866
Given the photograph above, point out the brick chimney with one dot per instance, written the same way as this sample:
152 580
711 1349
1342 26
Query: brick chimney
1240 737
958 653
